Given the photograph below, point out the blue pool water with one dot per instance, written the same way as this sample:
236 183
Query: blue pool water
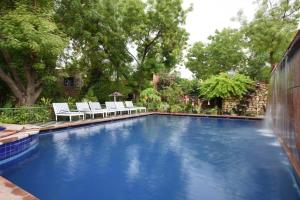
158 157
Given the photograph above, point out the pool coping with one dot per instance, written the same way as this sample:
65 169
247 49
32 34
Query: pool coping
9 190
120 117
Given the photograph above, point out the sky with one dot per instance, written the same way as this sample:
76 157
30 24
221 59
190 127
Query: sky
209 15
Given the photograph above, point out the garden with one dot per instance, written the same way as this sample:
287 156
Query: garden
70 51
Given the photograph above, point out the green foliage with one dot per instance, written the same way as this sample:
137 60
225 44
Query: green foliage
24 115
177 108
150 98
103 88
45 101
211 111
225 85
90 96
163 107
30 44
223 53
272 29
172 94
190 87
107 32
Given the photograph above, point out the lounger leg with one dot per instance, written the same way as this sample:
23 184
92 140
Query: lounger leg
70 118
55 117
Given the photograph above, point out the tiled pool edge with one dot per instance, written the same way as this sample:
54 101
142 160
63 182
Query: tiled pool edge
10 191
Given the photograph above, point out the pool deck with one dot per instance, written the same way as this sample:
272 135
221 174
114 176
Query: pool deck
8 190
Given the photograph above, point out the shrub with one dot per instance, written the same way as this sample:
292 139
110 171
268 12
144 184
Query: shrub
225 86
163 107
39 113
177 108
211 111
172 94
24 115
150 98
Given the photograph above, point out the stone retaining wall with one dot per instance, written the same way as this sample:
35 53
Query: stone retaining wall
254 103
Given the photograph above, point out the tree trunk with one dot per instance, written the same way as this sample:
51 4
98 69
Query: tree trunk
26 92
30 97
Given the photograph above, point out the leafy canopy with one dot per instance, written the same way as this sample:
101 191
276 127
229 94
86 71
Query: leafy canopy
30 44
225 85
272 29
223 53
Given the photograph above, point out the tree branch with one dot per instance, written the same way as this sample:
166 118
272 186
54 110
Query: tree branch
136 60
15 75
11 84
149 46
37 93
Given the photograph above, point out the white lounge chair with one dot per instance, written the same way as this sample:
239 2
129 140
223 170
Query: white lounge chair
120 107
96 106
111 105
62 109
129 104
85 108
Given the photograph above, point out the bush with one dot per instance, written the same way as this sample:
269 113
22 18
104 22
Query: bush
163 107
150 98
24 115
172 94
40 113
225 86
177 108
211 111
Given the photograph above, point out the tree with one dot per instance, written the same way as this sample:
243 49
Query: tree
98 42
225 85
224 52
158 36
126 40
30 44
270 32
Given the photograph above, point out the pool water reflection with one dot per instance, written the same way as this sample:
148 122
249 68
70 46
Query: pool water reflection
158 157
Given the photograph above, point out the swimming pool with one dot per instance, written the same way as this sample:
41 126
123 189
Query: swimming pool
157 157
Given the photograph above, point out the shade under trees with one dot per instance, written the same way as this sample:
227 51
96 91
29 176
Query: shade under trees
30 44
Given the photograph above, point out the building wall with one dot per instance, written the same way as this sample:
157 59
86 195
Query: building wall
285 102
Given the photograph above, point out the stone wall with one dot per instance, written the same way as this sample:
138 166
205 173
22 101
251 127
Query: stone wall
254 103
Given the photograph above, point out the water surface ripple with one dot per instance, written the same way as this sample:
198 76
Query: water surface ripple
158 158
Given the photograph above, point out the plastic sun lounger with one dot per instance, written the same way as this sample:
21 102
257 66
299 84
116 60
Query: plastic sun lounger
129 104
85 108
96 106
121 104
62 109
110 105
120 107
